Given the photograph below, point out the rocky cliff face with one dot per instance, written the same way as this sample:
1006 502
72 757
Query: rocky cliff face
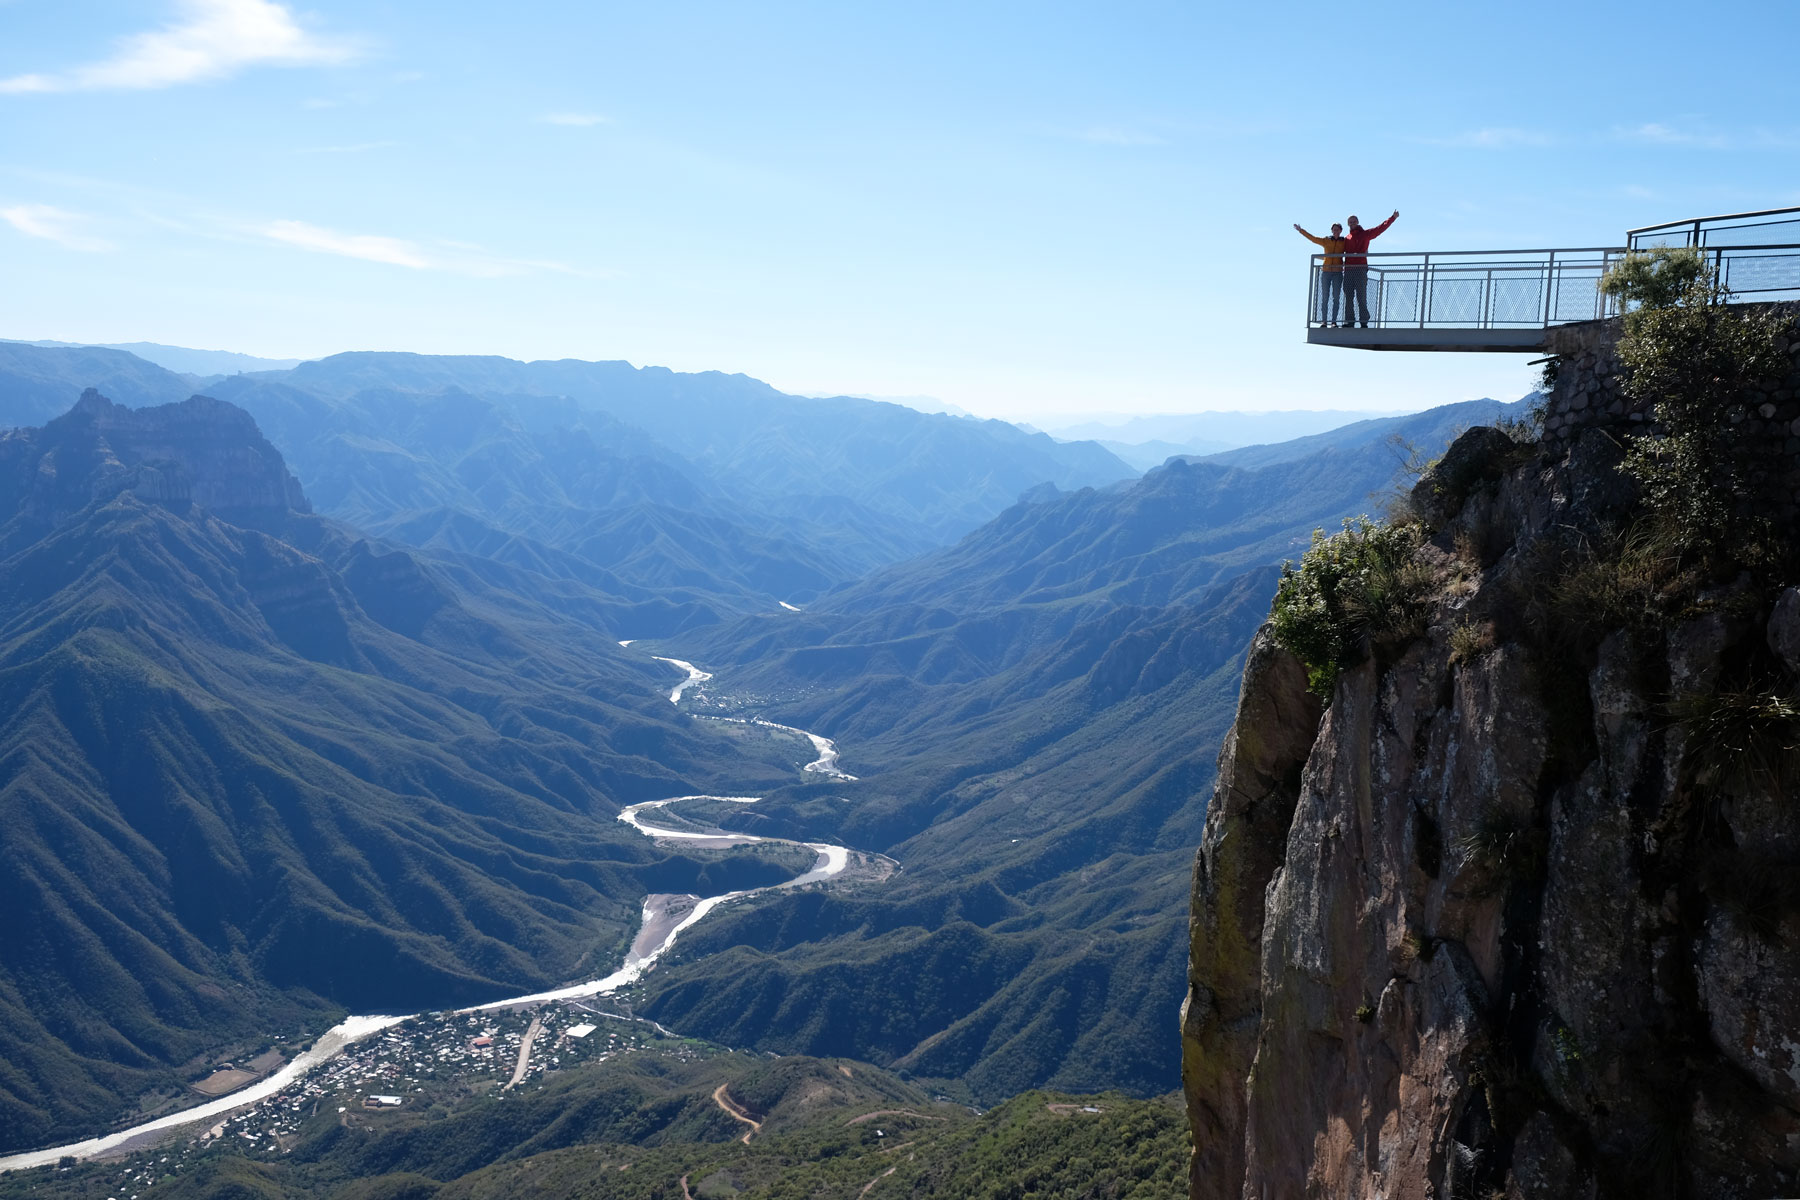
1514 914
200 451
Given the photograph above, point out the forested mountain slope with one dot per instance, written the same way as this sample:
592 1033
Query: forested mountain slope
254 768
1034 715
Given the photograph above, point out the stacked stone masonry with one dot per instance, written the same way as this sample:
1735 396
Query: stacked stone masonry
1590 391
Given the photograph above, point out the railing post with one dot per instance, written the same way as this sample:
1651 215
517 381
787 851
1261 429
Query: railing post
1549 286
1424 289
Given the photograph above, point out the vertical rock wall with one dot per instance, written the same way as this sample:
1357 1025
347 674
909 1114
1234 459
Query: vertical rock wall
1478 929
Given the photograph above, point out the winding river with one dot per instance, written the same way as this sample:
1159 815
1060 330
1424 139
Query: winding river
660 924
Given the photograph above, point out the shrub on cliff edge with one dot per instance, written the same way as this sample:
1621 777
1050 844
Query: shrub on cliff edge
1706 470
1352 588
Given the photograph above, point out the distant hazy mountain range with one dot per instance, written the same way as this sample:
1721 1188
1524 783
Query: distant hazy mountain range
711 493
1149 440
185 361
313 699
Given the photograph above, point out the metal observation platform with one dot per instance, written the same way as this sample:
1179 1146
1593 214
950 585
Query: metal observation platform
1507 300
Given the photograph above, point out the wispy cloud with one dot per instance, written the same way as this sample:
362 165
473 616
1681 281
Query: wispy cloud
459 258
53 225
1497 138
369 247
1658 134
214 39
578 120
1696 134
1114 135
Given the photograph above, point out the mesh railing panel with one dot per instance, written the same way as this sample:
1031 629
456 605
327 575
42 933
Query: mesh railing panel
1575 296
1456 299
1762 233
1394 298
1490 294
1516 301
1760 272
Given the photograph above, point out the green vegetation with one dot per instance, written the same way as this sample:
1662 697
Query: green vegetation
636 1126
389 776
1740 738
1469 640
1505 844
1635 580
1666 277
1352 589
237 804
1705 470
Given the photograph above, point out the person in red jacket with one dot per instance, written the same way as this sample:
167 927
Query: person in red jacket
1356 268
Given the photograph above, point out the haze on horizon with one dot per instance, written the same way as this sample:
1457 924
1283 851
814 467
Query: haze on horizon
1022 211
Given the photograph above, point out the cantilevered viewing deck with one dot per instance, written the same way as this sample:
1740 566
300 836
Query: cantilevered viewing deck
1507 300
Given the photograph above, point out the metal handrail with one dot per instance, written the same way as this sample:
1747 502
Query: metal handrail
1466 253
1486 299
1478 289
1708 232
1765 212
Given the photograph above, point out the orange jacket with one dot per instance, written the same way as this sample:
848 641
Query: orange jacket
1333 247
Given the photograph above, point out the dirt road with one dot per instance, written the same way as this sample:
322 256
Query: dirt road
531 1033
737 1110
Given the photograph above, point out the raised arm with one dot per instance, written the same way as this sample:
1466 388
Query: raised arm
1382 228
1319 242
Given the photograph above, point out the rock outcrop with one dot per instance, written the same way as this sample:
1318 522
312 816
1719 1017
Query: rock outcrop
200 451
1515 915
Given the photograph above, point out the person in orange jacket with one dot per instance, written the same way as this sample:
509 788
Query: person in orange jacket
1331 272
1356 268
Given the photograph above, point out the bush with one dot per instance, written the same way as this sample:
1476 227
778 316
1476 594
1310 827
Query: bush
1662 278
1704 471
1740 740
1357 587
1505 844
1637 580
1469 641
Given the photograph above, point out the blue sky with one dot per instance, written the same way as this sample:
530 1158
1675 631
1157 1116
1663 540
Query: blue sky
1026 209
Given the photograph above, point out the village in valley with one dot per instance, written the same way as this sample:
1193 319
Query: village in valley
417 1069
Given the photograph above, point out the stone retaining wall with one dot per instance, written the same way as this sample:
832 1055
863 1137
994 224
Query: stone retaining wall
1590 392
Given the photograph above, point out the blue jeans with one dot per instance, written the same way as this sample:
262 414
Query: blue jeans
1356 295
1331 291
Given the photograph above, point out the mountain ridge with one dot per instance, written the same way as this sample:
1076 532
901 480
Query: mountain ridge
256 773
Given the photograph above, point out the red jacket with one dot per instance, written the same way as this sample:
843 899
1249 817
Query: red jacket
1357 239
